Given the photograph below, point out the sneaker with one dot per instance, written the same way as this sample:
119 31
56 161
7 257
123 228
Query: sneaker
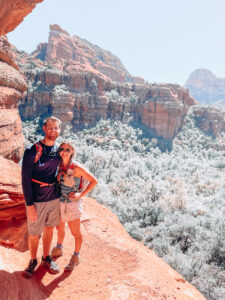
74 261
28 272
56 252
50 265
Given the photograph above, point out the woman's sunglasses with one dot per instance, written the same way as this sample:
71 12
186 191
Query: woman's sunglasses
64 149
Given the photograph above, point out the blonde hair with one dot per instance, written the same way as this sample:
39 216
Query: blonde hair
52 118
71 144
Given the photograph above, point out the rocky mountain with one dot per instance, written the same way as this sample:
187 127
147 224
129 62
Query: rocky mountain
205 87
81 83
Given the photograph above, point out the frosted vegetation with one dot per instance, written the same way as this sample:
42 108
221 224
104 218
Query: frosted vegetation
172 201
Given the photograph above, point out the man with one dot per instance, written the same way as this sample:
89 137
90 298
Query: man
39 170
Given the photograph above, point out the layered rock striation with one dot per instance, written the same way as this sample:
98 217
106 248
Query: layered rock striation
12 87
13 229
205 87
12 82
81 83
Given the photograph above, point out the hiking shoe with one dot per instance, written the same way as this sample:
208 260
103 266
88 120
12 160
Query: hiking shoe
56 252
28 272
74 261
50 265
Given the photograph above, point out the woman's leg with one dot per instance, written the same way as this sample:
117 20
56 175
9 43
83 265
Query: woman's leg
57 251
60 232
75 231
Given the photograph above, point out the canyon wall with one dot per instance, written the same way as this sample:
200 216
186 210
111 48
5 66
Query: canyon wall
12 82
12 86
81 83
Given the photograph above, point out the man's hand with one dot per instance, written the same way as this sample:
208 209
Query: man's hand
31 213
74 196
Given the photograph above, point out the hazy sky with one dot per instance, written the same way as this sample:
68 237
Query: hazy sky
159 40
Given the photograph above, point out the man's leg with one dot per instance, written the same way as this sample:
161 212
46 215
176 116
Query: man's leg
33 242
47 240
52 220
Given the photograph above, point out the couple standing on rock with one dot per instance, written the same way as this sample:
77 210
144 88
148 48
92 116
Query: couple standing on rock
53 190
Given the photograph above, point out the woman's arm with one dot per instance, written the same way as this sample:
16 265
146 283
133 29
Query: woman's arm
79 171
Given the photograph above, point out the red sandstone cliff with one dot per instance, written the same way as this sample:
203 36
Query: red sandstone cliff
12 83
12 208
12 13
81 83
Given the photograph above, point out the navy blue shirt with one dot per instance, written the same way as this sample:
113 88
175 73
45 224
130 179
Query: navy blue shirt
43 170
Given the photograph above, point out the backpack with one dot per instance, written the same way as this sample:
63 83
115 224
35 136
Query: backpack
39 151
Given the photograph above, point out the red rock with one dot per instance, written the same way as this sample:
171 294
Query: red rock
210 119
13 12
10 77
11 137
9 97
12 83
113 266
82 55
13 232
6 53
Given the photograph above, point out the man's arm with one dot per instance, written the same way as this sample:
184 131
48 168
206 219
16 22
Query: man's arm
27 169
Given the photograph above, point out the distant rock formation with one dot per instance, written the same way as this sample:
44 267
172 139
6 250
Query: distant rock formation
72 54
210 120
81 83
205 87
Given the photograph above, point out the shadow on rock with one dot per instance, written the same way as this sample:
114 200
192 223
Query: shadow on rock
15 286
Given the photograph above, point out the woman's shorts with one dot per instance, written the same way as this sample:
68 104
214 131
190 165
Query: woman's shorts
71 211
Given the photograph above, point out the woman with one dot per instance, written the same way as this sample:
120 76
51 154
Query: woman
71 177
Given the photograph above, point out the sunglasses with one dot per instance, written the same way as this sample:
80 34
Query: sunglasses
66 149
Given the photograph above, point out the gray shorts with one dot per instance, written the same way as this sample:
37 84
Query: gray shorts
48 214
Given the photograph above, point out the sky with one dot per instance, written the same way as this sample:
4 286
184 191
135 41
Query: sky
159 40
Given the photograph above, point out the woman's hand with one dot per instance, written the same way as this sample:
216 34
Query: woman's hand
74 196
